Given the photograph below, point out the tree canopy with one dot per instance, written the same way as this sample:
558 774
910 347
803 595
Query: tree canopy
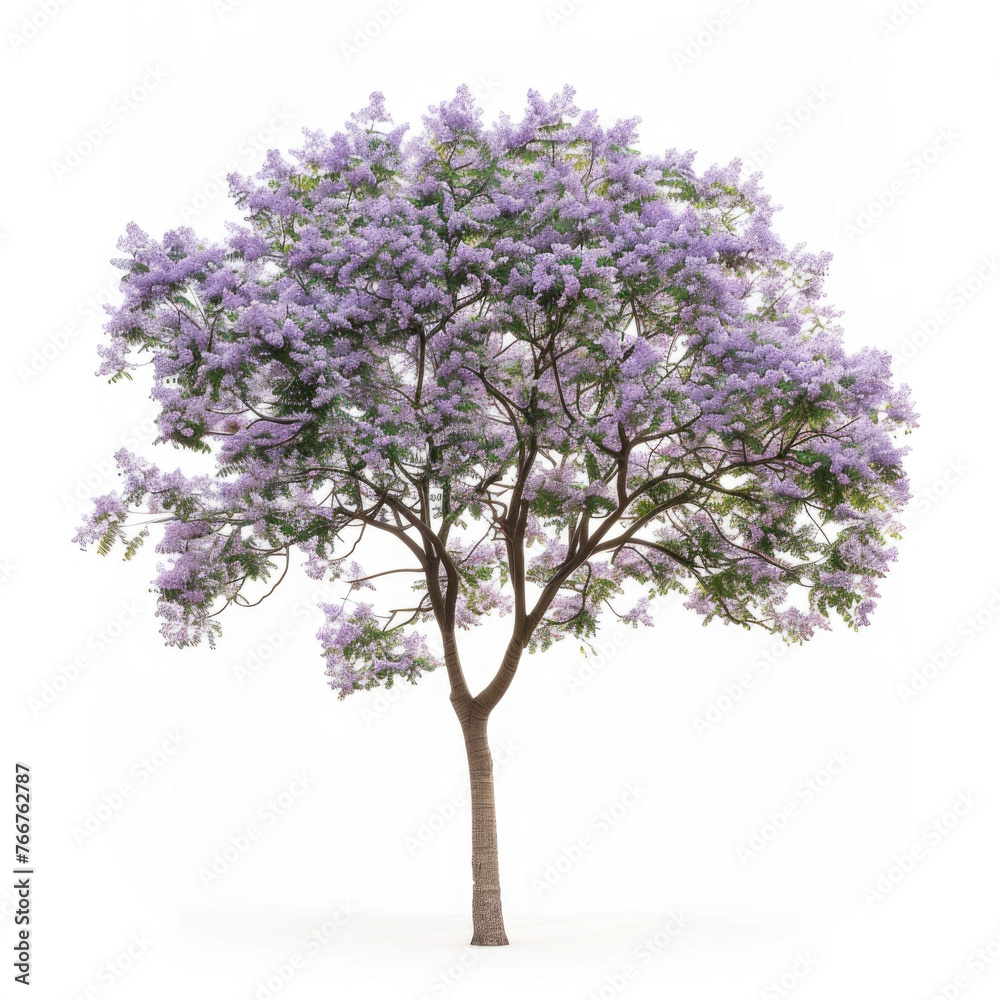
562 374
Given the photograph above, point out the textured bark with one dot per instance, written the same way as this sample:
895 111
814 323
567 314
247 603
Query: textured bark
487 911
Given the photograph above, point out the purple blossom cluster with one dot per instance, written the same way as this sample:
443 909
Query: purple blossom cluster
562 374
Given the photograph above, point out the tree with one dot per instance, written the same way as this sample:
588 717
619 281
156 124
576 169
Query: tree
561 375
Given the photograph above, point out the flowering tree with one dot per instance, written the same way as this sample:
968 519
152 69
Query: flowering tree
561 375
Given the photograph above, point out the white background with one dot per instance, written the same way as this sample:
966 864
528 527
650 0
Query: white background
222 84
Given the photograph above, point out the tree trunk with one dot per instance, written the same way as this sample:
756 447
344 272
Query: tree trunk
487 912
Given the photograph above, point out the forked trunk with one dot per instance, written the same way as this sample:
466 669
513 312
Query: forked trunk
487 912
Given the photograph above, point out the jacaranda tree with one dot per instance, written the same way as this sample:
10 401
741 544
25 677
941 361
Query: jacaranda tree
562 376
